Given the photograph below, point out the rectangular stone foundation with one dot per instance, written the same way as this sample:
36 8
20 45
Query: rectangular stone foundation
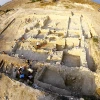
53 84
71 60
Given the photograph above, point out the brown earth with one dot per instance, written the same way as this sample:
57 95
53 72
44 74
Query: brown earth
17 91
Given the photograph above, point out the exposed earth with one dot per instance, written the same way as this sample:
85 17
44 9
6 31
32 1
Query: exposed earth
60 40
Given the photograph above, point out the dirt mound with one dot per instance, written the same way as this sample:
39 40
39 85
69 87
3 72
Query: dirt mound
13 90
67 32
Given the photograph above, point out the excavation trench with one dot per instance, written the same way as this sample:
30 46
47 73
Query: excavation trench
57 45
61 82
71 60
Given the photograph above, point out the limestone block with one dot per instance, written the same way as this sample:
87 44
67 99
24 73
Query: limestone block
31 34
58 63
30 26
88 34
74 51
72 42
60 41
74 33
83 61
27 35
97 81
43 21
82 41
44 30
93 32
56 56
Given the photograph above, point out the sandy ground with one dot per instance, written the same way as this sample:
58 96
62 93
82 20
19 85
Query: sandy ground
19 7
14 90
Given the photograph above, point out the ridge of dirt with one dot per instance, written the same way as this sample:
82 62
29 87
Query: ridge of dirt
23 9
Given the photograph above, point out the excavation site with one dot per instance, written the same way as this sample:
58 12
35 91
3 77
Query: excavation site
49 53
